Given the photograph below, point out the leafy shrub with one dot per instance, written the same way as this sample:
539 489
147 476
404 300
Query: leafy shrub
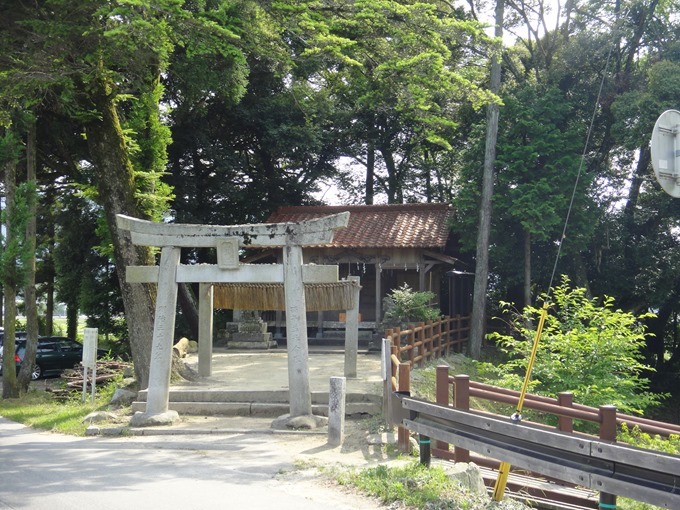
405 305
587 348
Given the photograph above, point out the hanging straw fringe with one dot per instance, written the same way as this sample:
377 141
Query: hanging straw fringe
270 296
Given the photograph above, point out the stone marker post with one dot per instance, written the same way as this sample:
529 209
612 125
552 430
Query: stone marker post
336 411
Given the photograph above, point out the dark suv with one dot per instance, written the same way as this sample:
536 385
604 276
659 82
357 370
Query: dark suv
53 356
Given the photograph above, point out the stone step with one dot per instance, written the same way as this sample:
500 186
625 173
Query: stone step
256 403
256 408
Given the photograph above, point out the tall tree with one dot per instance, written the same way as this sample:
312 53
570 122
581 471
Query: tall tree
398 71
13 255
30 298
92 57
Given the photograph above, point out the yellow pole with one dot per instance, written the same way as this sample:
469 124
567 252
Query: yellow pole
504 469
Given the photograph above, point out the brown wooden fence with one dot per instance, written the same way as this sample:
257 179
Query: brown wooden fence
428 340
419 343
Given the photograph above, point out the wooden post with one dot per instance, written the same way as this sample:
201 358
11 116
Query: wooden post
447 336
164 327
607 433
205 329
461 400
296 333
403 438
442 395
421 339
565 423
378 294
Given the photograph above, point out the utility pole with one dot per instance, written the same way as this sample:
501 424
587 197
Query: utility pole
477 328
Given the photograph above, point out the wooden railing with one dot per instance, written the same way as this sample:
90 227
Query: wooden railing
427 340
418 343
563 407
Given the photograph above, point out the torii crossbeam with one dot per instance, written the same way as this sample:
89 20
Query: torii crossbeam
228 240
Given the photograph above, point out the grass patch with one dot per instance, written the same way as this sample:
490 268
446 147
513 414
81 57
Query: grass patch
41 410
416 486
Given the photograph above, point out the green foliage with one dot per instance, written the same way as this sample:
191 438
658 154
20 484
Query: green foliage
588 348
399 71
15 256
406 305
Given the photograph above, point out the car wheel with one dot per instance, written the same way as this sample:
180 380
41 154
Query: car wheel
37 372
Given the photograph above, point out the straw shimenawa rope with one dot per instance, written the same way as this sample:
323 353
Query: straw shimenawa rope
270 296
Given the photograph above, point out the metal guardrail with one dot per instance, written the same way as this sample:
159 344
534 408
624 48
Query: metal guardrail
635 473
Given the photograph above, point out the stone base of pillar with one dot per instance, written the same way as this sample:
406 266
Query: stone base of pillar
306 422
140 419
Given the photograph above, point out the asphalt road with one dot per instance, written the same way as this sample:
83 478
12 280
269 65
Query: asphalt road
44 471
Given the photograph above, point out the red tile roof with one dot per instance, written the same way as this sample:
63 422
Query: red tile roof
379 226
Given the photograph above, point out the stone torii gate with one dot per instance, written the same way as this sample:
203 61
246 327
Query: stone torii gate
228 240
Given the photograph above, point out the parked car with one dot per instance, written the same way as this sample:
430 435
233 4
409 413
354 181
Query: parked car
19 336
53 355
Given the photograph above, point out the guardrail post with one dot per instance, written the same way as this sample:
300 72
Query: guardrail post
565 423
403 438
461 400
442 393
607 433
425 450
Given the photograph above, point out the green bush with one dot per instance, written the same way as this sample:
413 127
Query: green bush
587 348
405 305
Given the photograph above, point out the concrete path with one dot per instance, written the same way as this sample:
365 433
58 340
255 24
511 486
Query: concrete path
40 470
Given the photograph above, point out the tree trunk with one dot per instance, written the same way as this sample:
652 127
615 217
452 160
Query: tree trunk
49 306
478 321
392 177
115 184
24 377
48 273
189 307
370 173
10 389
72 320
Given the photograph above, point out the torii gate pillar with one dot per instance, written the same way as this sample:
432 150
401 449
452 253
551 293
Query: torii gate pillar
296 333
